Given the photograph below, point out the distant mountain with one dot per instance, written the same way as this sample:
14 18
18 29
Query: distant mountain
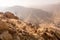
52 8
31 15
55 9
48 13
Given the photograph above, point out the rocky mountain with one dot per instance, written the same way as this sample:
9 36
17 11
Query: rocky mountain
49 13
12 28
31 15
55 10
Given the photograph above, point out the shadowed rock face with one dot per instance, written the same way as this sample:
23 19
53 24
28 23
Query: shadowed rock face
12 28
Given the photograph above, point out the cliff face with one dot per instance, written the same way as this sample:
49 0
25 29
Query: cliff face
12 28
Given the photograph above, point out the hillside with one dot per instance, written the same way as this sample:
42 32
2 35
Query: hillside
12 28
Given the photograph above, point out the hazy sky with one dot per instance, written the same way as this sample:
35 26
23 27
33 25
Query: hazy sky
7 3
